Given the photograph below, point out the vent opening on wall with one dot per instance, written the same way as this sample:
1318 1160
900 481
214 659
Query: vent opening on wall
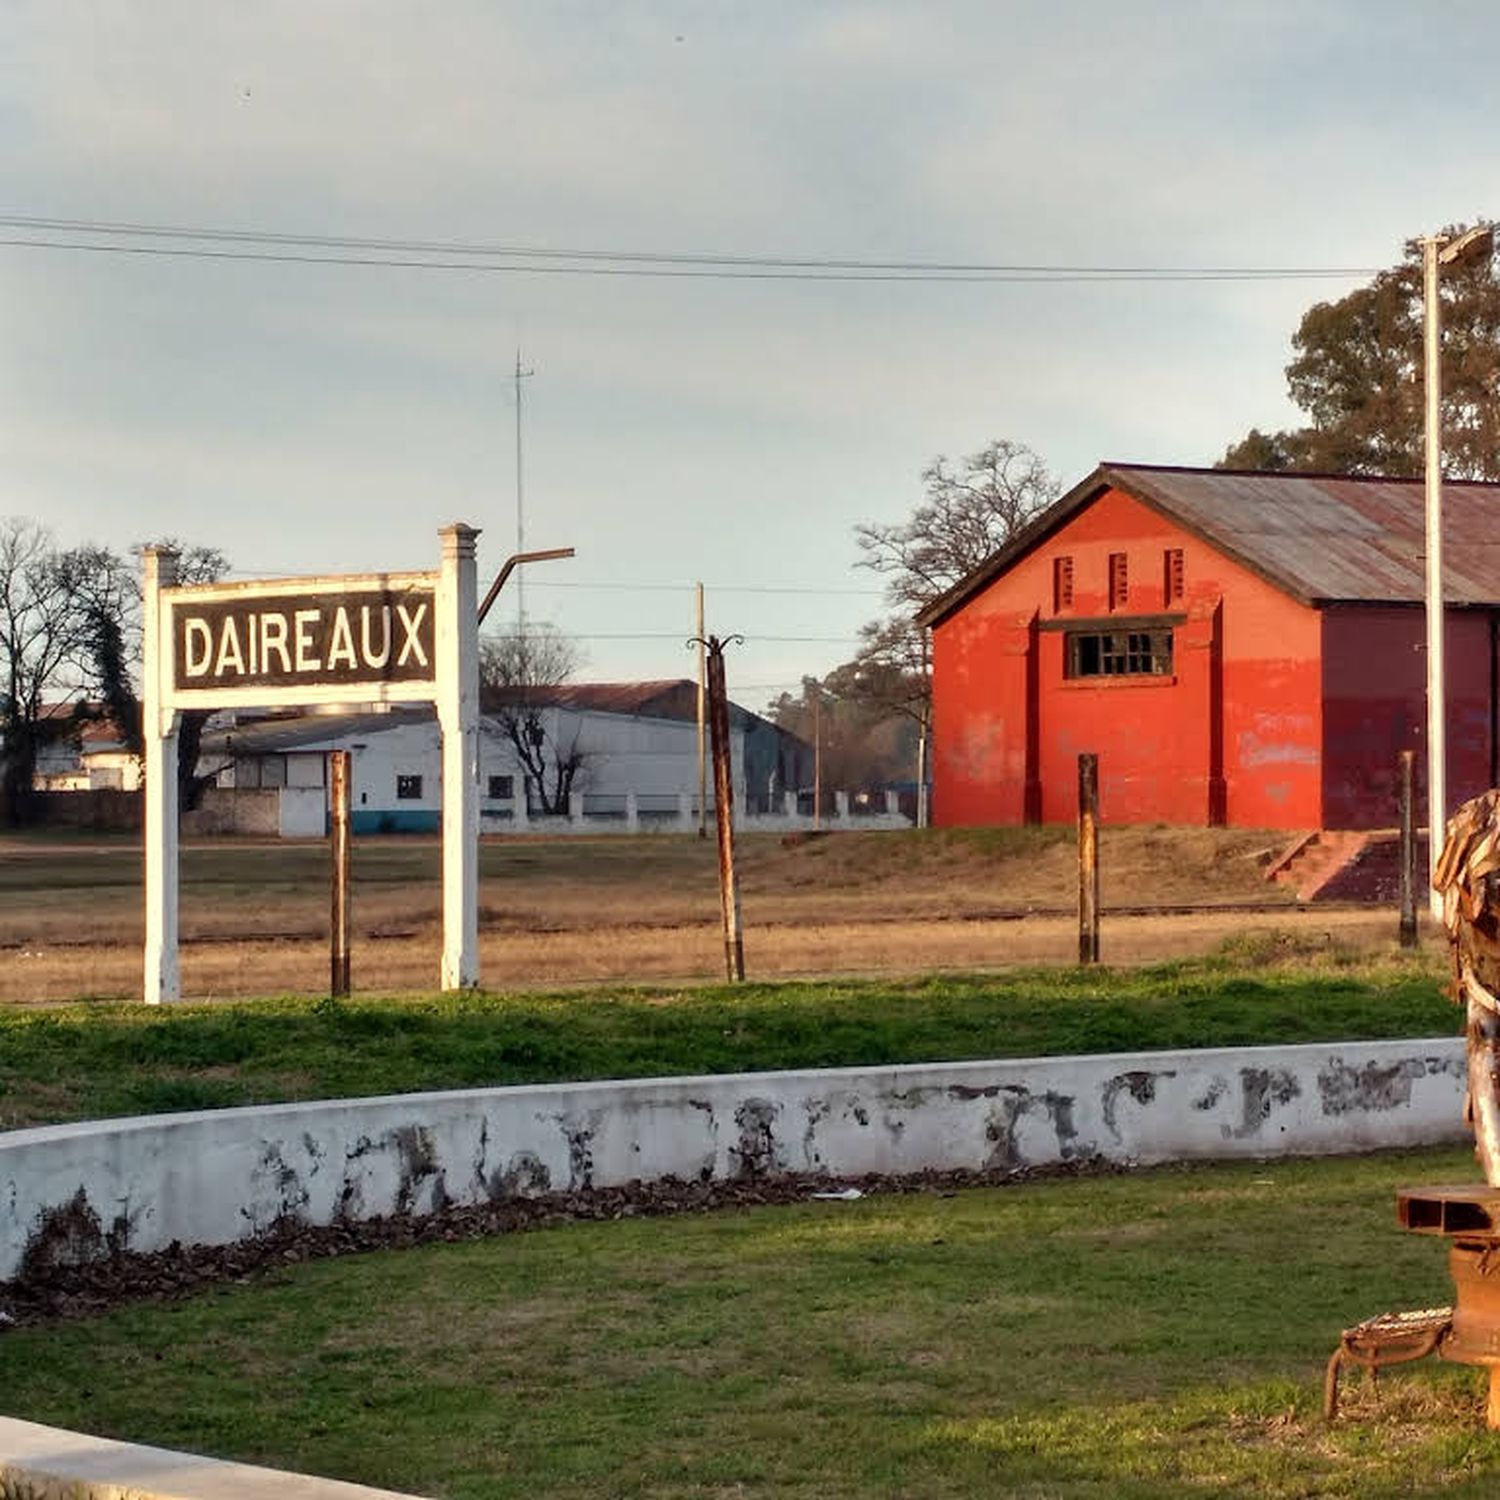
1172 575
1062 584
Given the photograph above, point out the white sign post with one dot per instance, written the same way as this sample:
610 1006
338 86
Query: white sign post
361 638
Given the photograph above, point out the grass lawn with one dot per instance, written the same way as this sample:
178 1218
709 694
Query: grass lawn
1156 1334
89 1061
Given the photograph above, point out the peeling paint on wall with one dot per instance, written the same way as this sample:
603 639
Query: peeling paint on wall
78 1191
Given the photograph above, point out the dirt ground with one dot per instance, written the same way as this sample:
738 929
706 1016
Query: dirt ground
574 910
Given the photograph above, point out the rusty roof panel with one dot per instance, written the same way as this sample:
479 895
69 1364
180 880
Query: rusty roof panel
1323 539
1333 539
660 698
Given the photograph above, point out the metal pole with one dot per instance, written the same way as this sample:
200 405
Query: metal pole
520 503
338 844
1405 774
1088 859
729 886
702 747
922 815
818 757
1437 788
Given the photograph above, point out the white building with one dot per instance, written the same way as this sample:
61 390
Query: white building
632 767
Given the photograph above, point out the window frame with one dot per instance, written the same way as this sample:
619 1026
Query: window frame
1116 653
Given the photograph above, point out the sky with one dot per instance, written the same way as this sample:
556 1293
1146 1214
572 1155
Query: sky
329 418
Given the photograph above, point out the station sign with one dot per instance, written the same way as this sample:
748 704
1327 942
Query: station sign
350 638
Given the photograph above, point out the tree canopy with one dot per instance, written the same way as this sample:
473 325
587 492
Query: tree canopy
1357 375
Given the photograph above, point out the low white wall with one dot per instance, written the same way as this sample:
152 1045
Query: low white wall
50 1463
69 1191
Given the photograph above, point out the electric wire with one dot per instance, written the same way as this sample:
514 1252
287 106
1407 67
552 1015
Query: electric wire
255 245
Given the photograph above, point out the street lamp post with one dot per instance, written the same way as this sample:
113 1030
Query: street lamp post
1437 250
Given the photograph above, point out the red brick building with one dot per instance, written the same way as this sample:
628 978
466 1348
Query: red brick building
1237 648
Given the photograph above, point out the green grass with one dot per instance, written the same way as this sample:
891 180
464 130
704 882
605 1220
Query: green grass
88 1061
1161 1334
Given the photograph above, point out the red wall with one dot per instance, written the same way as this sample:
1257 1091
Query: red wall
1375 705
1233 735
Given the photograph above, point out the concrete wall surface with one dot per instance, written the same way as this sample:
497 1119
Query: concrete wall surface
71 1192
49 1463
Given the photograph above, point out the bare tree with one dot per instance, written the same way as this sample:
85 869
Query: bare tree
519 676
969 511
46 633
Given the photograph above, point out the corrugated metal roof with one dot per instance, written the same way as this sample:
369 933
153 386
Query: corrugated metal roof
655 697
271 736
1323 539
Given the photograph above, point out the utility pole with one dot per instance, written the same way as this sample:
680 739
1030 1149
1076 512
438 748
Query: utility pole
702 755
818 757
729 885
1437 251
521 374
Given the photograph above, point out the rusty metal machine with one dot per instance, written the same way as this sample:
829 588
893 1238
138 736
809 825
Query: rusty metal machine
1468 877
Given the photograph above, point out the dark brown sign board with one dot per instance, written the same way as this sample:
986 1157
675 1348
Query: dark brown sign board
296 639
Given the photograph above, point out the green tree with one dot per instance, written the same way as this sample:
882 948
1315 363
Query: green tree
1357 375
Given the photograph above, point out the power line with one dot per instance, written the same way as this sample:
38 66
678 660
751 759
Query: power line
647 257
428 256
639 588
751 638
713 588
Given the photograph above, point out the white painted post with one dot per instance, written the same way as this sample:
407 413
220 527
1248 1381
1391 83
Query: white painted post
575 808
789 804
632 813
892 804
841 806
520 814
161 979
685 810
458 717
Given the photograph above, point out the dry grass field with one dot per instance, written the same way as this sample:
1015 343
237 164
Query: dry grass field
585 910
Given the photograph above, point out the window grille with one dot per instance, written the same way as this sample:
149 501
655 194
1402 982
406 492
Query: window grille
1119 653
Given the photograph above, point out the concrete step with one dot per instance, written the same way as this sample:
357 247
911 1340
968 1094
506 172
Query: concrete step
1347 865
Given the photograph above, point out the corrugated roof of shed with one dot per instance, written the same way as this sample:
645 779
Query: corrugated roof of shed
1323 539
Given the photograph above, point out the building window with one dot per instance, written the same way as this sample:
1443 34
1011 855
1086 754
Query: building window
1062 584
1172 575
1119 581
502 788
408 788
1119 653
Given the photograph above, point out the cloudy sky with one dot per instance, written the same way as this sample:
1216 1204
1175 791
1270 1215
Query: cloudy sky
329 418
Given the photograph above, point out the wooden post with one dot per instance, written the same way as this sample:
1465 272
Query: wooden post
1404 764
1088 859
729 886
338 843
702 724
